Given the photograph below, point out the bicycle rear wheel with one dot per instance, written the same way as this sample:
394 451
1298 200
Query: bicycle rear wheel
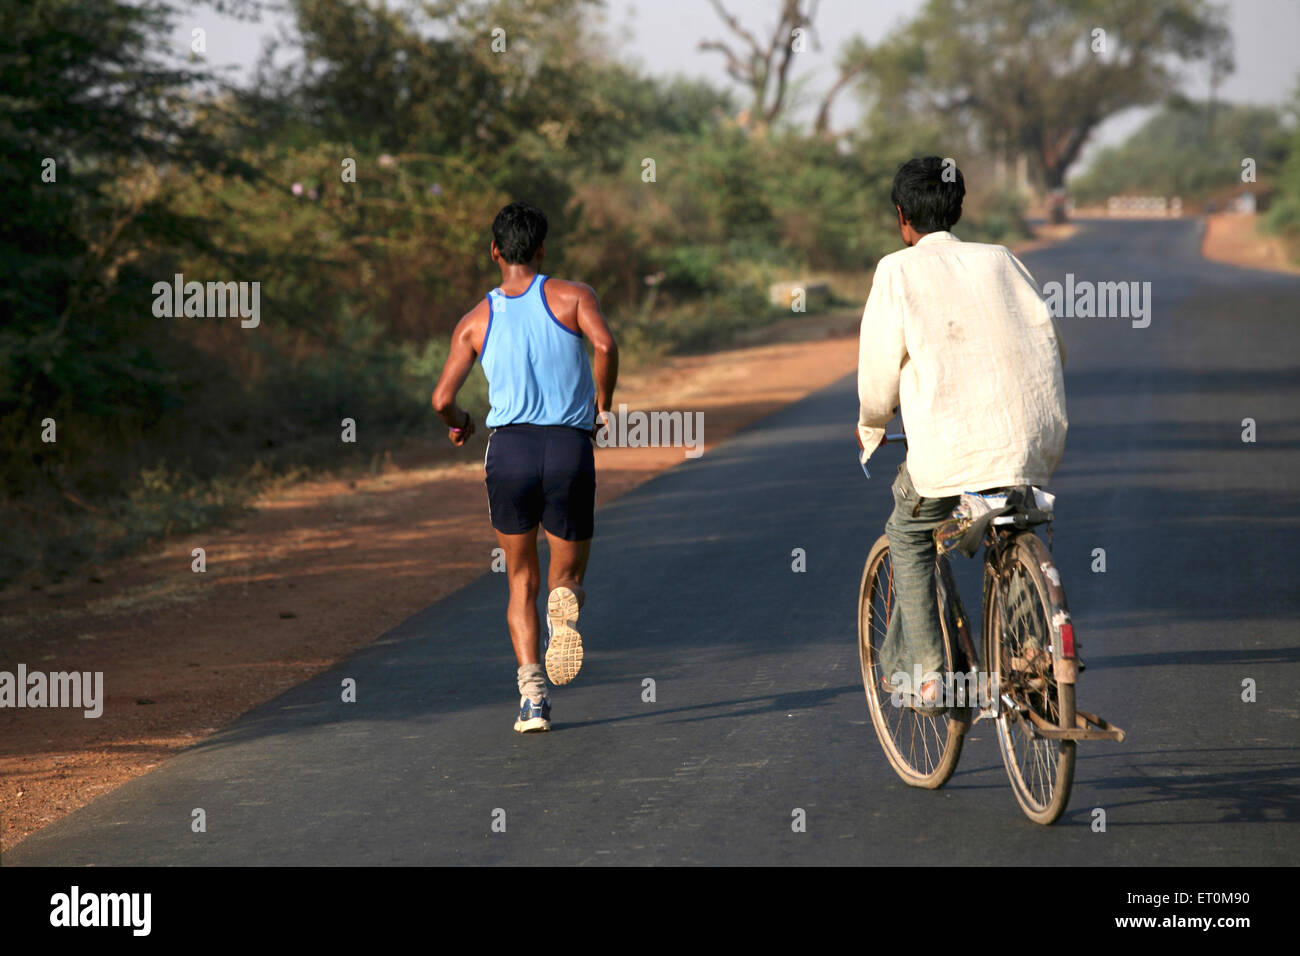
922 749
1019 649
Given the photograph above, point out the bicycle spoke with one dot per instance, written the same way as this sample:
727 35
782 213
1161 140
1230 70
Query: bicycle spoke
925 743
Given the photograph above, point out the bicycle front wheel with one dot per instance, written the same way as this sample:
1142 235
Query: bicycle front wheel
1019 649
923 749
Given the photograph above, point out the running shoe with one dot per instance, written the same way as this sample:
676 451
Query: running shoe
533 715
564 649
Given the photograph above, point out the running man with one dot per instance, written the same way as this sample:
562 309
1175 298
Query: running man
957 333
528 333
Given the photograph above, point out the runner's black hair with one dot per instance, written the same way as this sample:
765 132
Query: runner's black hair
928 203
518 230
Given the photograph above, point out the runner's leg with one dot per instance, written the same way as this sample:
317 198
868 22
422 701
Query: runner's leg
568 565
513 465
569 486
524 575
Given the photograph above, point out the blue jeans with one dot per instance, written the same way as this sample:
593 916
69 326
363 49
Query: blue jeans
914 638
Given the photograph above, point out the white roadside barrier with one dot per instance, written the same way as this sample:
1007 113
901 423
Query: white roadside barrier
1144 207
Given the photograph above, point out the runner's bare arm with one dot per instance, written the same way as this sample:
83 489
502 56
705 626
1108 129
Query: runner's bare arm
460 360
592 324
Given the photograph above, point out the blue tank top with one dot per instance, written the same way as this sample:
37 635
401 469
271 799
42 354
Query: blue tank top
537 369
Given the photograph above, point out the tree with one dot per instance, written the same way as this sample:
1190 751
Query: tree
1172 154
1036 77
763 67
1284 217
94 103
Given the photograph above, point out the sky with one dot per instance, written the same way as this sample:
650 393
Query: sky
662 37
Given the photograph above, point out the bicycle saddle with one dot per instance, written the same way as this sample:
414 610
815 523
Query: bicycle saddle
1022 507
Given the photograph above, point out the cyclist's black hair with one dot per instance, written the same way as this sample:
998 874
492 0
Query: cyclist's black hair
518 230
928 203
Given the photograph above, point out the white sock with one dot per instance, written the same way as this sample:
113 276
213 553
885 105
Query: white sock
531 679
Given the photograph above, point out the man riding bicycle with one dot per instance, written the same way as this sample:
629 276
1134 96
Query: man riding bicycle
958 334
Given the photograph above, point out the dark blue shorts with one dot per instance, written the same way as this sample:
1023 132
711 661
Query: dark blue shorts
542 474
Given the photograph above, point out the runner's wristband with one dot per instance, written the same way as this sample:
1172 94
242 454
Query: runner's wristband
461 430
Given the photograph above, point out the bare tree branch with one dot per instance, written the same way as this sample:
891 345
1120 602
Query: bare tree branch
734 26
737 68
763 64
848 73
792 18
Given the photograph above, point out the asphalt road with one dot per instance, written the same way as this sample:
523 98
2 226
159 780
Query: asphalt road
759 708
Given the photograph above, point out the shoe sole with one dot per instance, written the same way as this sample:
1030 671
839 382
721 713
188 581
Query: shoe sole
564 653
532 726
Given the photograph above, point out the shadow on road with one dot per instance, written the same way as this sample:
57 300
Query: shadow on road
1266 791
798 700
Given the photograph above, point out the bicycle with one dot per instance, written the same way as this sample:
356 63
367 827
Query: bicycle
1028 685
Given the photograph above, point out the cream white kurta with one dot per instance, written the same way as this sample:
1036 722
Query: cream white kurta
957 333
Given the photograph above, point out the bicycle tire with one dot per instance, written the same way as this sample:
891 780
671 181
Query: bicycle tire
1041 770
922 749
